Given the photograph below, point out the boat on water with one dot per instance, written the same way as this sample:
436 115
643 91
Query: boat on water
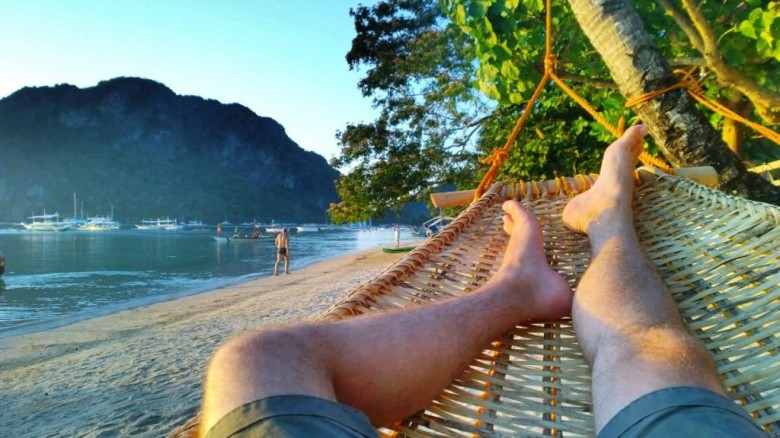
160 225
243 238
47 222
195 225
255 235
308 228
432 226
99 223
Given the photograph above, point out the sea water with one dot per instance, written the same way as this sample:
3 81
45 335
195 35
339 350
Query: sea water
56 278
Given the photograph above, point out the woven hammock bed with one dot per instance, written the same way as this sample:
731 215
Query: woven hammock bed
718 255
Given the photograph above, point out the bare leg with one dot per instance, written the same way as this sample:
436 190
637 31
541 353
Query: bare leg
391 364
276 265
629 327
286 263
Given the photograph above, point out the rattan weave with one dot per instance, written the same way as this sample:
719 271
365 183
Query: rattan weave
718 255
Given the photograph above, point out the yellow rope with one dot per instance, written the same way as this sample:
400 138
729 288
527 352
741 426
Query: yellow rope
691 85
499 155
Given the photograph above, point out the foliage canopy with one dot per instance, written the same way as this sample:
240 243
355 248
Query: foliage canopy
451 84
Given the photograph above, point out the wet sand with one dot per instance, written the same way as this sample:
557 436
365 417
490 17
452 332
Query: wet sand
139 372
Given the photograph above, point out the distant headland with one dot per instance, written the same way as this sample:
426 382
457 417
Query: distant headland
135 145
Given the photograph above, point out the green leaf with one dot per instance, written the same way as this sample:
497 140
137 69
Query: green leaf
509 70
460 15
746 28
515 98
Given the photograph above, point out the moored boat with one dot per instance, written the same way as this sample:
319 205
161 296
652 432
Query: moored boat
195 225
47 222
99 224
160 225
308 228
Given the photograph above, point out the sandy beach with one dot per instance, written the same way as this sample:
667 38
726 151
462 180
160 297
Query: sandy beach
139 372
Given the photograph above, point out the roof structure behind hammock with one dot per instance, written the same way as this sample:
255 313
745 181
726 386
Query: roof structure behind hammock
718 255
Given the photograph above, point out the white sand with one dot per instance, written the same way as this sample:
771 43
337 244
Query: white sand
139 372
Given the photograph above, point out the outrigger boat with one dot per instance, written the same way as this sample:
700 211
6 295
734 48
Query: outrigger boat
99 224
160 224
255 236
47 222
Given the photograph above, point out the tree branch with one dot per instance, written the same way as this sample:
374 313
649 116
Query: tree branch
688 61
766 102
684 24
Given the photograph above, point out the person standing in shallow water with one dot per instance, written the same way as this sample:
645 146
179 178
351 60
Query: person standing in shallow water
397 235
282 250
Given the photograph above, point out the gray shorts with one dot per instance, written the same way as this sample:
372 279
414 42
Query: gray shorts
293 416
682 411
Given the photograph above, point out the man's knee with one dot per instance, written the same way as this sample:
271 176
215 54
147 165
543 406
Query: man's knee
253 351
669 350
675 346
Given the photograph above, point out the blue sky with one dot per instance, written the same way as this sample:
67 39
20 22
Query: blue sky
284 59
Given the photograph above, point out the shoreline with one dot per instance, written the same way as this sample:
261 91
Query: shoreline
139 371
112 309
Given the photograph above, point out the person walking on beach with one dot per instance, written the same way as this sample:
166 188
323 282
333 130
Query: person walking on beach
650 377
397 235
282 250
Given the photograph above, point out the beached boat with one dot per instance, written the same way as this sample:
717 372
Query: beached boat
99 224
47 222
398 249
160 225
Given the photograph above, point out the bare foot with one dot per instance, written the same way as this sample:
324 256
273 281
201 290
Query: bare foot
525 264
609 199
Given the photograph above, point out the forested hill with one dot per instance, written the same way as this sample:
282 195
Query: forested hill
135 144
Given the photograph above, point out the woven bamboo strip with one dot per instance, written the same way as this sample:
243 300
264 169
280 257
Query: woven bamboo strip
718 255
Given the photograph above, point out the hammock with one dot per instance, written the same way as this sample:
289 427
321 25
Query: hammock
718 255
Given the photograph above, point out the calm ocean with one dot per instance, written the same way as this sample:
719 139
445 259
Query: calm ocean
56 278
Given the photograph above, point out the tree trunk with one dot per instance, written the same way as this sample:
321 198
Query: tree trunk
682 133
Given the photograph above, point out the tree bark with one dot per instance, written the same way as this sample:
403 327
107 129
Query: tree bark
682 133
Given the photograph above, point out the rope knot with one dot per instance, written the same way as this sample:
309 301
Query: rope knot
498 156
550 63
689 82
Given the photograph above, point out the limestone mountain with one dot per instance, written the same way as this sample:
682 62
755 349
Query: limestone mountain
137 146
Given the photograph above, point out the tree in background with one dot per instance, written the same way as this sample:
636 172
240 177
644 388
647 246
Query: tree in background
419 70
434 124
423 70
735 59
